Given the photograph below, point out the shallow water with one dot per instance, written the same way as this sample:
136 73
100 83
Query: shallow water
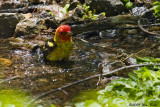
37 77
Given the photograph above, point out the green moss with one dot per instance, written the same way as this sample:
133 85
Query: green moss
13 98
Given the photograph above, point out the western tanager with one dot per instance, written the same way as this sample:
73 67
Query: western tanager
60 47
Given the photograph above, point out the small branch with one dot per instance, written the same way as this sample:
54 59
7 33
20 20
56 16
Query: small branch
140 52
8 79
144 30
126 67
133 54
84 41
85 79
60 89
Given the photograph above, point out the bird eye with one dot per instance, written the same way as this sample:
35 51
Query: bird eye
61 33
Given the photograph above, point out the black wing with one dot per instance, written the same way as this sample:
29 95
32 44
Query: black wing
49 47
44 50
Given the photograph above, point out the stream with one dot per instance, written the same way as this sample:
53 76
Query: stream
88 58
25 76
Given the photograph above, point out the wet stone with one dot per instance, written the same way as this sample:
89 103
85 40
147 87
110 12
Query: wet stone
5 62
111 7
8 23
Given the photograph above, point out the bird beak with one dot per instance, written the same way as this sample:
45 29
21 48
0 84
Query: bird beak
69 33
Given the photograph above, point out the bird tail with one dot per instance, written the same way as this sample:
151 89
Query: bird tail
38 53
36 49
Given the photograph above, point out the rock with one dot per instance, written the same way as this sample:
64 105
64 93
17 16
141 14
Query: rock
143 11
62 2
35 25
5 62
35 1
50 21
19 40
110 7
78 12
101 16
139 11
6 5
72 20
54 9
49 1
8 23
74 4
19 43
148 3
29 26
11 4
28 15
40 1
82 1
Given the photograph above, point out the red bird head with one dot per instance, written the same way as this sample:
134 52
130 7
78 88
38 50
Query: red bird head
64 33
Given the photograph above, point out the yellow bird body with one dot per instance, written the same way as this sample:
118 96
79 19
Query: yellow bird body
60 52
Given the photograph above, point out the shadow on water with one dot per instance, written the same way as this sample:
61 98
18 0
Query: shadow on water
62 64
87 59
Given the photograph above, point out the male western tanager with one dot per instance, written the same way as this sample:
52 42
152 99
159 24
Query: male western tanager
61 46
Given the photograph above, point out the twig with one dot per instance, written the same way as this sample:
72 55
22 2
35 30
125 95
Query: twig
133 54
85 79
60 89
139 52
84 41
144 30
8 79
126 67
